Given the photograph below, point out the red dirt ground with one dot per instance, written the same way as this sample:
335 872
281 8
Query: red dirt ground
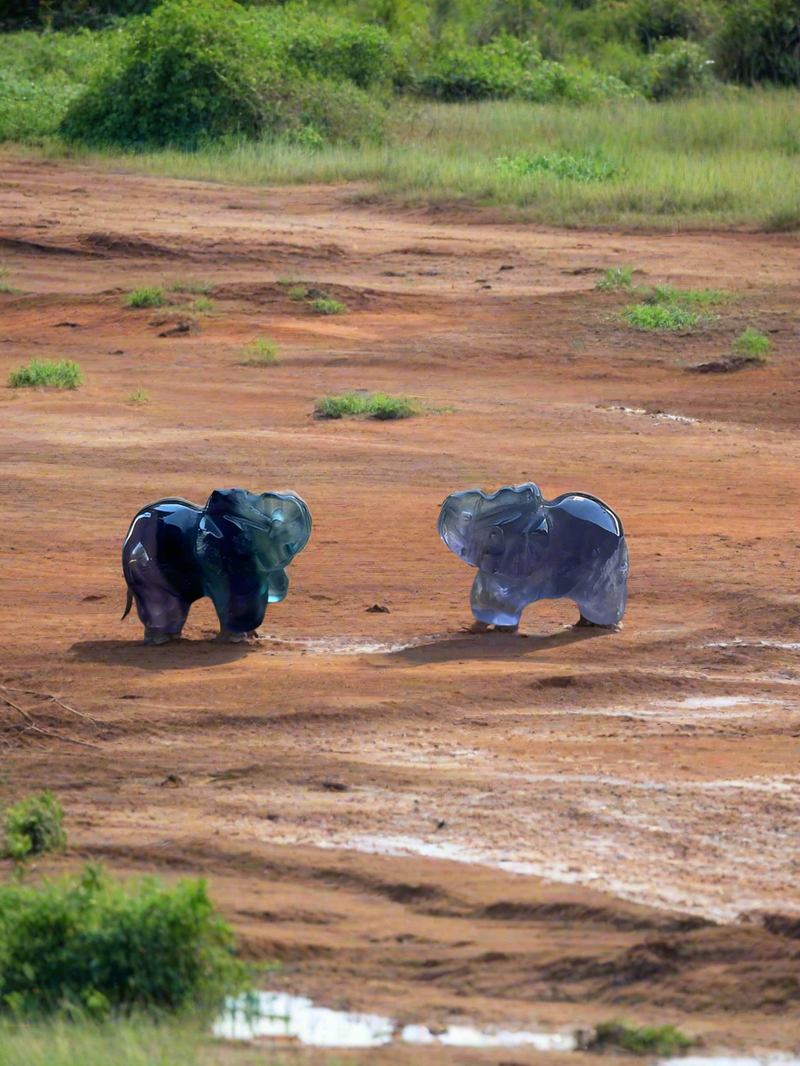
632 846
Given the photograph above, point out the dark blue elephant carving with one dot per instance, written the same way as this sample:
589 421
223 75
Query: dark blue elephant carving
234 550
527 548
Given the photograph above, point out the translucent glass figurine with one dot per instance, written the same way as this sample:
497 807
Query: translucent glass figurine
235 550
527 548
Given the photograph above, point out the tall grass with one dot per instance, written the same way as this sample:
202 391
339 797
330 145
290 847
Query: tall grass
712 161
123 1043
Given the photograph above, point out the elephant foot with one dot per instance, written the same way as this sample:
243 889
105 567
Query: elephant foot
484 627
584 623
153 637
228 636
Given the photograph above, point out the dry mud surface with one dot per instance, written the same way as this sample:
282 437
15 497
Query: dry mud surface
550 828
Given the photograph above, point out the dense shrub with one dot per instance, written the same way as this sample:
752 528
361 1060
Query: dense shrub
659 20
33 826
346 51
59 14
675 68
760 41
90 945
189 74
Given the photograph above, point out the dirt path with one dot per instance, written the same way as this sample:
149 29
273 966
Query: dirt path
548 828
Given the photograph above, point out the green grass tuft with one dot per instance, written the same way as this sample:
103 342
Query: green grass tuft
583 169
31 827
137 398
669 295
203 305
298 292
199 288
652 1040
615 278
65 374
327 306
752 343
146 296
6 286
656 316
260 352
377 405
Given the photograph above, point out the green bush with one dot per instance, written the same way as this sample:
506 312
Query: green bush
760 41
31 827
650 316
675 68
326 306
43 373
336 50
652 1039
188 74
380 406
615 278
752 343
88 945
146 296
658 20
584 169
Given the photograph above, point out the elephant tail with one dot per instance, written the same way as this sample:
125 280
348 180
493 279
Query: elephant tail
128 605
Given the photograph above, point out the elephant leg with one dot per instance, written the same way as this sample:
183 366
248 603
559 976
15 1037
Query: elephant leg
496 603
162 613
585 623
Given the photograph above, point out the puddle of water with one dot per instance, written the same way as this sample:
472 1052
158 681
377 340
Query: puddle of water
657 416
277 1014
784 646
349 645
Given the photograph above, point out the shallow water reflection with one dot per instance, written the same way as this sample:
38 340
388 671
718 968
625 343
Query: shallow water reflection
279 1015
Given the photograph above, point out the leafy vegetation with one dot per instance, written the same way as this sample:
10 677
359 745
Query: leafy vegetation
89 946
31 827
44 373
260 352
649 316
668 294
198 288
146 296
298 292
137 398
651 1040
752 343
327 306
5 286
377 405
560 166
615 278
117 1042
203 305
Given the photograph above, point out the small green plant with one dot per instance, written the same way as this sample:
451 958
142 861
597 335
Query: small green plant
89 946
65 374
583 169
31 827
669 295
615 278
651 1040
138 398
260 352
376 405
5 286
146 296
298 292
203 305
326 306
752 343
199 288
656 317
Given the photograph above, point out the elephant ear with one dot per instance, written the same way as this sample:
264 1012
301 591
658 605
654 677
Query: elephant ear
289 516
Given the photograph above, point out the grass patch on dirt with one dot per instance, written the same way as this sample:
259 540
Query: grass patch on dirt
658 317
327 306
375 405
711 161
6 286
752 343
146 296
44 373
260 352
137 398
651 1040
203 305
197 288
615 278
668 294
